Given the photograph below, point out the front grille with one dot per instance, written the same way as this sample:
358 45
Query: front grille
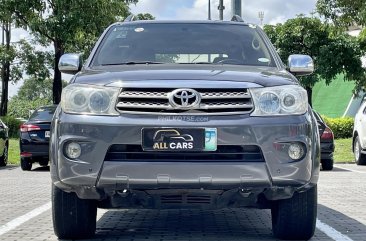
224 153
186 199
170 199
213 101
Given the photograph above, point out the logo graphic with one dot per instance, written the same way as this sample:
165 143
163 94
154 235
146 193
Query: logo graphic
172 139
210 139
184 99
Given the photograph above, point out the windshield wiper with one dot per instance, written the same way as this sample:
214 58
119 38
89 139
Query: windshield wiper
134 62
198 63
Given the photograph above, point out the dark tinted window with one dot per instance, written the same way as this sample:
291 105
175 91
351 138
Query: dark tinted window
184 43
43 114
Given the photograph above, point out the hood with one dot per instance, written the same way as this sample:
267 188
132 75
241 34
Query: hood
173 75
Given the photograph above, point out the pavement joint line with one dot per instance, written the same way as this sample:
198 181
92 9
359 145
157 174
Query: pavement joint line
331 232
24 218
347 169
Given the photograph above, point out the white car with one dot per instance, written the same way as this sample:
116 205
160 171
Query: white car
359 135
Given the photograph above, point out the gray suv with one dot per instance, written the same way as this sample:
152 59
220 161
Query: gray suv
180 115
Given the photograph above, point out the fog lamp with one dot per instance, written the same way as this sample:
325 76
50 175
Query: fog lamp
73 150
295 151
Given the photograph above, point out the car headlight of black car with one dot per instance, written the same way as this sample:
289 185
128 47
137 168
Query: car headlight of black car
279 100
89 99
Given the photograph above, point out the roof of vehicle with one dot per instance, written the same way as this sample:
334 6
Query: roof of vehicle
186 21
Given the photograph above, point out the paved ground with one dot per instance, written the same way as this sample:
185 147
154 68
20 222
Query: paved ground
26 196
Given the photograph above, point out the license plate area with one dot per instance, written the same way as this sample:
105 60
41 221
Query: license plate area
179 139
47 134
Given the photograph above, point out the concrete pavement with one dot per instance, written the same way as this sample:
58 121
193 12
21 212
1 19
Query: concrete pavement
25 213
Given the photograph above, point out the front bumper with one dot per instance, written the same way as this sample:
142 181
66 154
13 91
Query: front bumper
93 177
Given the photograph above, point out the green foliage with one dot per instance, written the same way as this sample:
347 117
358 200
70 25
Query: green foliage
74 24
343 151
35 63
9 55
14 154
31 95
343 12
13 125
334 53
145 16
33 89
69 26
24 58
19 108
341 127
362 39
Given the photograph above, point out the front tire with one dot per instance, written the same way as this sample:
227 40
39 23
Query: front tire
295 218
73 218
327 164
25 164
360 158
4 157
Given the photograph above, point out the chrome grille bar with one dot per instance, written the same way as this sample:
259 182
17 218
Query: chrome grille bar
213 101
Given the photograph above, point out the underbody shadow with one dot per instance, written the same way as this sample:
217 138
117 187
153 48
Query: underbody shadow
41 169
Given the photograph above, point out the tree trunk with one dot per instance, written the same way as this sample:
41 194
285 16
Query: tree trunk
309 90
5 72
57 78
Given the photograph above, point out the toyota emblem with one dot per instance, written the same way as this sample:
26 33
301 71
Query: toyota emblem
184 99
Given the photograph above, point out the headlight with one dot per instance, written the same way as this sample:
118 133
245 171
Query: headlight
279 100
89 99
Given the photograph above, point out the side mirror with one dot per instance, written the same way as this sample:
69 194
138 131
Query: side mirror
300 65
70 63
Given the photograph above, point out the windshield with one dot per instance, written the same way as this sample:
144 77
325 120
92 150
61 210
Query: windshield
183 43
43 114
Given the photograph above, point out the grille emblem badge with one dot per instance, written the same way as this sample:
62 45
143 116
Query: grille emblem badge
184 99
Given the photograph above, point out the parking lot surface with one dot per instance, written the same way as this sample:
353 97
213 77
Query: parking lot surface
25 213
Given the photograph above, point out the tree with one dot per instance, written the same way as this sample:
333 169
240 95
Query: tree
145 16
31 95
69 26
18 59
333 52
362 39
6 57
33 89
19 108
343 12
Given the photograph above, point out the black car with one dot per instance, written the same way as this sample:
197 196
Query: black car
34 138
4 144
326 143
184 114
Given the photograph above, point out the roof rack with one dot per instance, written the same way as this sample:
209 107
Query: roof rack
237 18
131 18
